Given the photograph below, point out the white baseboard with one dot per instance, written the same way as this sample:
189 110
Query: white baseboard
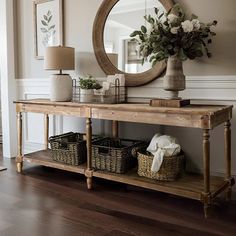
30 147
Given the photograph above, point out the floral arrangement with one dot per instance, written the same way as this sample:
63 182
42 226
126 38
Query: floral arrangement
173 33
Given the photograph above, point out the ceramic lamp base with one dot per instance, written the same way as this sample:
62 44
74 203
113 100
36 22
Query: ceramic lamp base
60 88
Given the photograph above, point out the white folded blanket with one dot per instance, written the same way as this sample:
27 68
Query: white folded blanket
161 146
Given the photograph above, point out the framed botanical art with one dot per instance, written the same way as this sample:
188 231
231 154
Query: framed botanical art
48 22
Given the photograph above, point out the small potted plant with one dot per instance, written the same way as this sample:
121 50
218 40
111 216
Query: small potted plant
87 86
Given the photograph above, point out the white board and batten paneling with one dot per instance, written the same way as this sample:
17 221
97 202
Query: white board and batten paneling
210 90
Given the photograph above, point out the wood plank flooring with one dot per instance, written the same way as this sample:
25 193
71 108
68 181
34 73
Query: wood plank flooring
49 202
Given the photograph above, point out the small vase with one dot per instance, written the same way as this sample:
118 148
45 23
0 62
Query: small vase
174 80
86 95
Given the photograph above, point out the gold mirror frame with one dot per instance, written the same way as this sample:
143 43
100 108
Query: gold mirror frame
132 80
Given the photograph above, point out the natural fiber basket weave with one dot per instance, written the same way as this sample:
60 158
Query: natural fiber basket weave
69 148
114 155
171 168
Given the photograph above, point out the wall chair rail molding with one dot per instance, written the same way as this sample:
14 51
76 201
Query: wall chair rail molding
207 88
30 89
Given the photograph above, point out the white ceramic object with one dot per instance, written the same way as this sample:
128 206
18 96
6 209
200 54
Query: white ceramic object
112 79
60 88
106 85
174 80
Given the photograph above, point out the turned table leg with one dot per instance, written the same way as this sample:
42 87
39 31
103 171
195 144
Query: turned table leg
46 130
115 129
19 158
227 139
88 172
206 164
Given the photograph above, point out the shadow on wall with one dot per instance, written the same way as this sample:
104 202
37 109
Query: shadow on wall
87 64
222 61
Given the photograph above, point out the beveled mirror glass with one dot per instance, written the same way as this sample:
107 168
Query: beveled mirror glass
114 50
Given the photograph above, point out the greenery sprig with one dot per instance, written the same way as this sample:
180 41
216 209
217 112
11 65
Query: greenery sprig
46 23
89 82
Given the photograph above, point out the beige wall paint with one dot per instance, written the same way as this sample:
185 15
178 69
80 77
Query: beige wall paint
223 49
79 16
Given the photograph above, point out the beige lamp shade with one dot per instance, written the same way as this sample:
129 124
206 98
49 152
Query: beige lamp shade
59 58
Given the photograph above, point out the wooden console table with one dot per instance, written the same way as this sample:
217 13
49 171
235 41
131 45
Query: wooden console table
199 187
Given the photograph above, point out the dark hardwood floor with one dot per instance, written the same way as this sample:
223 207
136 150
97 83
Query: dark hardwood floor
49 202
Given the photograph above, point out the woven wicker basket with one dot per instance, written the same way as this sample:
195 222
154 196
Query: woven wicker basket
171 168
69 148
114 155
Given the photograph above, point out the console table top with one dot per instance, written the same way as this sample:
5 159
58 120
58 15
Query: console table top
196 116
191 109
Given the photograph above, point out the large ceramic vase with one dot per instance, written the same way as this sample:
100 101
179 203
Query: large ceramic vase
174 80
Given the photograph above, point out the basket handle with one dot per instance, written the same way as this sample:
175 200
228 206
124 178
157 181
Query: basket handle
60 136
63 145
136 149
104 151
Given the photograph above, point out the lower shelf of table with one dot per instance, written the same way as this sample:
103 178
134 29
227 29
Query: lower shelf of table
43 158
190 185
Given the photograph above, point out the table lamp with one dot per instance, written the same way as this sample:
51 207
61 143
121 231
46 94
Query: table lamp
60 58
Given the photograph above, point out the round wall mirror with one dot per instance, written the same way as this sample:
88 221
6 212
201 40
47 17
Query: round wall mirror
114 50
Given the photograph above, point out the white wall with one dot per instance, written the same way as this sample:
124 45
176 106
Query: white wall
7 70
209 80
0 111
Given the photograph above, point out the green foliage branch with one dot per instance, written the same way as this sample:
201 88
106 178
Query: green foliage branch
173 33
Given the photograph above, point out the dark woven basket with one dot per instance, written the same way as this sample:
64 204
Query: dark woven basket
114 155
171 168
69 148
